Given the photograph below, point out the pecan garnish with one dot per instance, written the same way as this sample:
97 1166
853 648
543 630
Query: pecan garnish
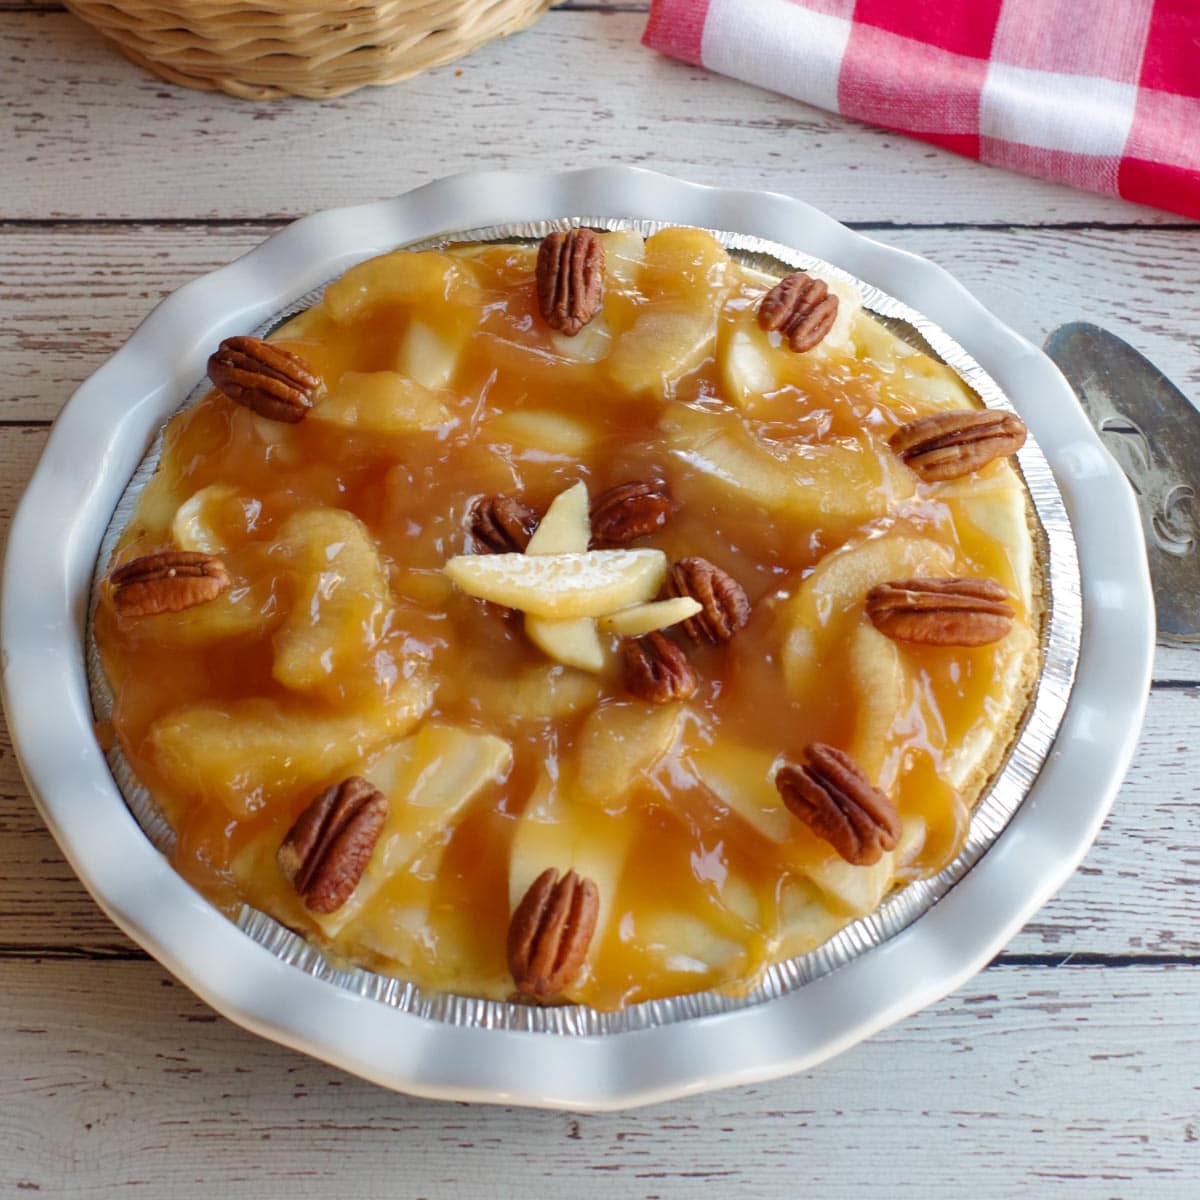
167 581
725 607
570 279
326 851
629 511
946 445
941 612
550 931
501 524
839 804
802 308
272 381
657 670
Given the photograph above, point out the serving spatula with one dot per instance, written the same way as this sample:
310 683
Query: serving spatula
1153 431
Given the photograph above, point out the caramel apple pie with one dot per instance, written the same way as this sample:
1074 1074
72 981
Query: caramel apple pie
594 620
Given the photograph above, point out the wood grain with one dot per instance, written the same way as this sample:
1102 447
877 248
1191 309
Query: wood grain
70 296
1069 1067
94 136
126 1079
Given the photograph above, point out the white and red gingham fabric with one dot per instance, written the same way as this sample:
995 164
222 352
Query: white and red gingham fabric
1102 94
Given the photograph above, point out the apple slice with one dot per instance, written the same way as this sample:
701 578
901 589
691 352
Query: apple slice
341 598
660 346
164 494
397 930
639 619
928 386
962 759
876 342
308 324
545 431
547 691
280 440
749 366
197 523
403 277
755 363
620 744
859 890
566 527
573 642
591 344
556 832
561 585
380 403
815 617
240 612
684 943
682 263
624 253
430 356
684 278
827 484
804 917
884 693
992 513
741 778
428 779
246 753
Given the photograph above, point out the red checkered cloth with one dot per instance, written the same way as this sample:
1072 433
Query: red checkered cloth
1102 94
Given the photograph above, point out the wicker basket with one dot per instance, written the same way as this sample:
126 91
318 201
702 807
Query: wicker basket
314 48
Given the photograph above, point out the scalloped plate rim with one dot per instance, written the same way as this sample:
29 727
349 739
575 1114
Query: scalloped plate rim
61 517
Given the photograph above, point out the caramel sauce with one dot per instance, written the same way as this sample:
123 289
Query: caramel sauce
700 893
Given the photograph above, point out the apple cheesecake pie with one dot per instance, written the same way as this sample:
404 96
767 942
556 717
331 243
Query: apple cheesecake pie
587 621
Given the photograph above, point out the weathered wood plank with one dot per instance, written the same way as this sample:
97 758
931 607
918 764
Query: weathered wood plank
1143 286
1177 664
71 295
92 135
114 1076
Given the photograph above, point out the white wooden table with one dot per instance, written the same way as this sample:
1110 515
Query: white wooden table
1071 1066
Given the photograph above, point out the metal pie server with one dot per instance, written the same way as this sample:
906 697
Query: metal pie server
1153 431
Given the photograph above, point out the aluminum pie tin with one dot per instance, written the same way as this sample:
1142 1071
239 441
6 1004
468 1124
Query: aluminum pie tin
1060 642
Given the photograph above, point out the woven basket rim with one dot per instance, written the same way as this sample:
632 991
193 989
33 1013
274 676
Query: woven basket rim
265 49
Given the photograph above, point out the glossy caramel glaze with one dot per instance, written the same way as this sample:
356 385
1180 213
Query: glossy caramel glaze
339 641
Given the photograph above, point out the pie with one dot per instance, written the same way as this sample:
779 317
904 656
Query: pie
592 620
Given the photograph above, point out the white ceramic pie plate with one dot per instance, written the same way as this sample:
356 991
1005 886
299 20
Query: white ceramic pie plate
103 433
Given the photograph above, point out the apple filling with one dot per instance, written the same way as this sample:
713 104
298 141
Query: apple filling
598 621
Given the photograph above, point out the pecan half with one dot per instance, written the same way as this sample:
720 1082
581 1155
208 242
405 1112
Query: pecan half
326 851
657 670
801 308
272 381
839 804
570 279
946 445
167 581
629 511
725 607
941 612
549 934
501 524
